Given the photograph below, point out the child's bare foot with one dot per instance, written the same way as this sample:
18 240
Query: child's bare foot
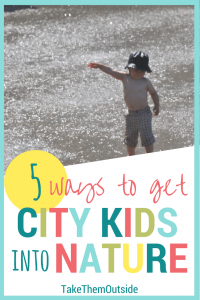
149 149
130 150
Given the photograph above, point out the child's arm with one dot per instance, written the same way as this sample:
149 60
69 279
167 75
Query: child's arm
108 70
154 97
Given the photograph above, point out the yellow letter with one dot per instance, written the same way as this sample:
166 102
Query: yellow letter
139 258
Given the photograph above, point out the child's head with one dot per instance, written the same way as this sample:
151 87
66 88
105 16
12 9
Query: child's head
136 74
139 63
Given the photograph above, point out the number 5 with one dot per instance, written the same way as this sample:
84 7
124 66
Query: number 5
38 181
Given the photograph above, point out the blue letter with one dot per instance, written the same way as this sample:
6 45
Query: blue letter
85 263
15 254
159 258
21 222
162 218
111 222
81 221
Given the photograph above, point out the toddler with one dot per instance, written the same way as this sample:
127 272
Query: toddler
136 86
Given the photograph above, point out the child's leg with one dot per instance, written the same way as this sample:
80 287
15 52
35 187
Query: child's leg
131 134
149 149
145 129
130 150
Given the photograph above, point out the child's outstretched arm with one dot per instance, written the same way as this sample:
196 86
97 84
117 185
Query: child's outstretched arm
154 97
107 70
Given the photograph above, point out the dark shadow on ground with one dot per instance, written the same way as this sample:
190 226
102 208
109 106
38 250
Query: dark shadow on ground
11 8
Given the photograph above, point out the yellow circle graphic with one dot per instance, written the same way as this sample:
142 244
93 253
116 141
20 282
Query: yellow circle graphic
32 177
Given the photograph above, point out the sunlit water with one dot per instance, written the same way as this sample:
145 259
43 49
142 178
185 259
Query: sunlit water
53 102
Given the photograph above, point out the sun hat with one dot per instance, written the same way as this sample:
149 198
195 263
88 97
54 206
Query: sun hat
139 61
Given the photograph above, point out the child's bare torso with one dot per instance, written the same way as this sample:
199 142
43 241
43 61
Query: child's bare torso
135 92
135 85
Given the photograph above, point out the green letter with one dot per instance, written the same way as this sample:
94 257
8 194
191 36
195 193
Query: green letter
111 257
138 225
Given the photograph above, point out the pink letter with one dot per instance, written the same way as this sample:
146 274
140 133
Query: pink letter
174 258
58 212
60 252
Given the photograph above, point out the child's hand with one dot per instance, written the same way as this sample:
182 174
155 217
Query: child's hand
93 65
156 110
